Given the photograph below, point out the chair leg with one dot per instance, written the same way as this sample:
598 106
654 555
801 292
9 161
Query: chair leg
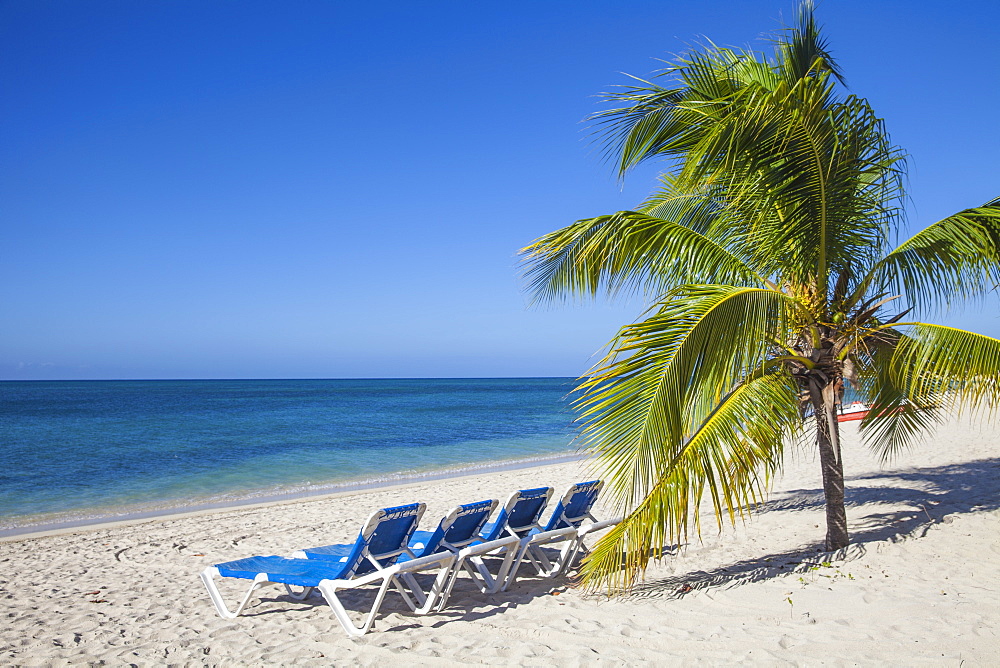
432 600
208 577
508 570
448 586
329 590
587 529
540 561
471 560
489 583
534 553
520 552
440 591
418 597
480 574
414 588
568 555
300 596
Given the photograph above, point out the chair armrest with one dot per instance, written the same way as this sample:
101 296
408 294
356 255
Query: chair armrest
439 559
597 526
552 536
490 546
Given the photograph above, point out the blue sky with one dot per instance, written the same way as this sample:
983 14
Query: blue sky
338 189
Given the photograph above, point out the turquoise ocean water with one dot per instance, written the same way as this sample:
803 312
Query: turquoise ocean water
78 452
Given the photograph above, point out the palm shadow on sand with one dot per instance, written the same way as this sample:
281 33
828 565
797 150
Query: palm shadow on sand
930 494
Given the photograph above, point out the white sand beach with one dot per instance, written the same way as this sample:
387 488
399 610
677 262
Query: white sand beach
919 586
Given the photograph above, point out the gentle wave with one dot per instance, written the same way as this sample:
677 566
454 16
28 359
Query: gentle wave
66 520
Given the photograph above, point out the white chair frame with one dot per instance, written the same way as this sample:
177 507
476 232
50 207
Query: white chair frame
415 598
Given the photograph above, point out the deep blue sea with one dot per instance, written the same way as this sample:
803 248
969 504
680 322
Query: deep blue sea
77 452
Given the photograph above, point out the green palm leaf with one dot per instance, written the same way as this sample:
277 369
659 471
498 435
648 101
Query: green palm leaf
955 258
895 419
653 385
627 250
934 364
733 453
767 254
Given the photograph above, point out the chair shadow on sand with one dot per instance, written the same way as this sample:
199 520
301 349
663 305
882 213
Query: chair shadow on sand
932 493
466 603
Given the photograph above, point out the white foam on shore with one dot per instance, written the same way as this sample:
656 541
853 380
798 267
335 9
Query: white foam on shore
47 522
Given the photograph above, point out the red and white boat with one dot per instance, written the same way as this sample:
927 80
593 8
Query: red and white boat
852 411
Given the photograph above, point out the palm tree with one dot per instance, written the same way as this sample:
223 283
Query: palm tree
768 257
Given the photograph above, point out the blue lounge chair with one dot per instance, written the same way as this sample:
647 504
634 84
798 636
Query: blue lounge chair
457 529
575 505
376 556
459 532
518 516
566 525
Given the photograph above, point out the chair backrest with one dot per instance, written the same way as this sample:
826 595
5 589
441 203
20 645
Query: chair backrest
575 505
459 527
465 528
384 537
520 513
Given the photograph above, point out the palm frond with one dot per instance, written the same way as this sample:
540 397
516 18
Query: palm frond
733 453
649 125
803 51
654 386
953 368
956 258
630 250
894 419
802 170
665 122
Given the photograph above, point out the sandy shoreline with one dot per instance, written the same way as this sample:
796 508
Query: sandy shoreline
918 587
321 491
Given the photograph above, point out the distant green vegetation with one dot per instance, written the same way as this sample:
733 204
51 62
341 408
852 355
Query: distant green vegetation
770 257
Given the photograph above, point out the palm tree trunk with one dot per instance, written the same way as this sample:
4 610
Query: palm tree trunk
828 441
